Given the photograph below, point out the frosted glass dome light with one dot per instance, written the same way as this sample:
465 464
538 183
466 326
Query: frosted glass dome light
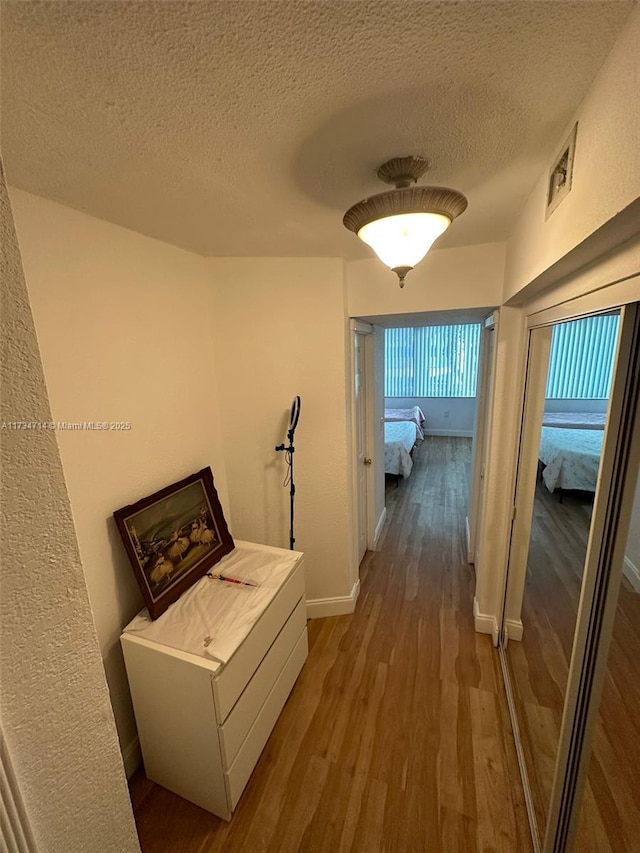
402 224
403 240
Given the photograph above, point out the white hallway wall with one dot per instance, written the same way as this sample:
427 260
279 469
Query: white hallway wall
54 703
125 330
606 175
606 180
281 330
447 279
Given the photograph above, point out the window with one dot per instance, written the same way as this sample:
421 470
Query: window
581 359
432 361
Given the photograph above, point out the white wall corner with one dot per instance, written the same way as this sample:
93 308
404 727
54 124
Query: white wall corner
318 608
467 531
632 574
378 531
132 757
485 623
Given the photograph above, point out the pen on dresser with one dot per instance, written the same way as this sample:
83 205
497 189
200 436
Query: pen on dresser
220 577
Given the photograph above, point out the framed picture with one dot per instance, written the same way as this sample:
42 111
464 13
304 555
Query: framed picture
173 537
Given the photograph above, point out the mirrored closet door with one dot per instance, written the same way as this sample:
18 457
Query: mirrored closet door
568 386
609 819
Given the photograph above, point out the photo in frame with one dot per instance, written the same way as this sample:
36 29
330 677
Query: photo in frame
173 537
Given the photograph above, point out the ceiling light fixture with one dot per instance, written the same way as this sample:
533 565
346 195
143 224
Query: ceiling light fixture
402 224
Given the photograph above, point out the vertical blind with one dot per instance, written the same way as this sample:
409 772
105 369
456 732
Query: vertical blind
432 361
581 359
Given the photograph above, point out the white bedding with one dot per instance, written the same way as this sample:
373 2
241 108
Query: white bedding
399 438
572 458
414 414
574 420
213 617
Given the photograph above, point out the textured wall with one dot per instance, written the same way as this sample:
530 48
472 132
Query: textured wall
125 333
468 277
606 176
281 331
606 179
54 702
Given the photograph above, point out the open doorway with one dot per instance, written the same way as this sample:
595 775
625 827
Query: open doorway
428 387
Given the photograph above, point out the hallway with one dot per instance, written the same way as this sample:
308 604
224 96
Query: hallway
396 736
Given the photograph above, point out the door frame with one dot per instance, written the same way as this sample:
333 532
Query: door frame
366 330
484 397
535 385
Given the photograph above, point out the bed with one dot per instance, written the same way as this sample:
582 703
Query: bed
399 439
413 414
574 420
570 458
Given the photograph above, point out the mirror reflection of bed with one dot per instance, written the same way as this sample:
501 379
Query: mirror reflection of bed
570 449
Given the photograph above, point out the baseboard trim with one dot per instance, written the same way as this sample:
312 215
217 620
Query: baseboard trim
485 623
379 526
514 629
632 574
132 757
454 433
318 608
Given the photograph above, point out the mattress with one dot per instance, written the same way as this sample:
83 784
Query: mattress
571 457
574 420
414 414
399 438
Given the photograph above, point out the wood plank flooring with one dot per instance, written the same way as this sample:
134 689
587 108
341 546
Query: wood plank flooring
396 736
610 815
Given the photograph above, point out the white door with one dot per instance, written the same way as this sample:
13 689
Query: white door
360 401
480 434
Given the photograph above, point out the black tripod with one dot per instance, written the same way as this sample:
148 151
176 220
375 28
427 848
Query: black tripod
288 452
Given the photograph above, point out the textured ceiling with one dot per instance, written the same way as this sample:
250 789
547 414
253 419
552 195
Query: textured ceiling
247 128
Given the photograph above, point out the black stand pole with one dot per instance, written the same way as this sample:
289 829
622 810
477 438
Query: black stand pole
290 450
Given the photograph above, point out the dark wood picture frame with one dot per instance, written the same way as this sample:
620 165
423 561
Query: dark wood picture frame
173 537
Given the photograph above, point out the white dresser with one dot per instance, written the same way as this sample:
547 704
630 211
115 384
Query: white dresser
210 677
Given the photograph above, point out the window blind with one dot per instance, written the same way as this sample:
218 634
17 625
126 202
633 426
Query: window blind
581 359
432 361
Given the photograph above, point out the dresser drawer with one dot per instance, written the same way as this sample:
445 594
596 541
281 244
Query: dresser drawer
243 715
238 774
229 684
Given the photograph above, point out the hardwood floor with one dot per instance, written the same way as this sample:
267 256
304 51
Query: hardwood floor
396 736
610 815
